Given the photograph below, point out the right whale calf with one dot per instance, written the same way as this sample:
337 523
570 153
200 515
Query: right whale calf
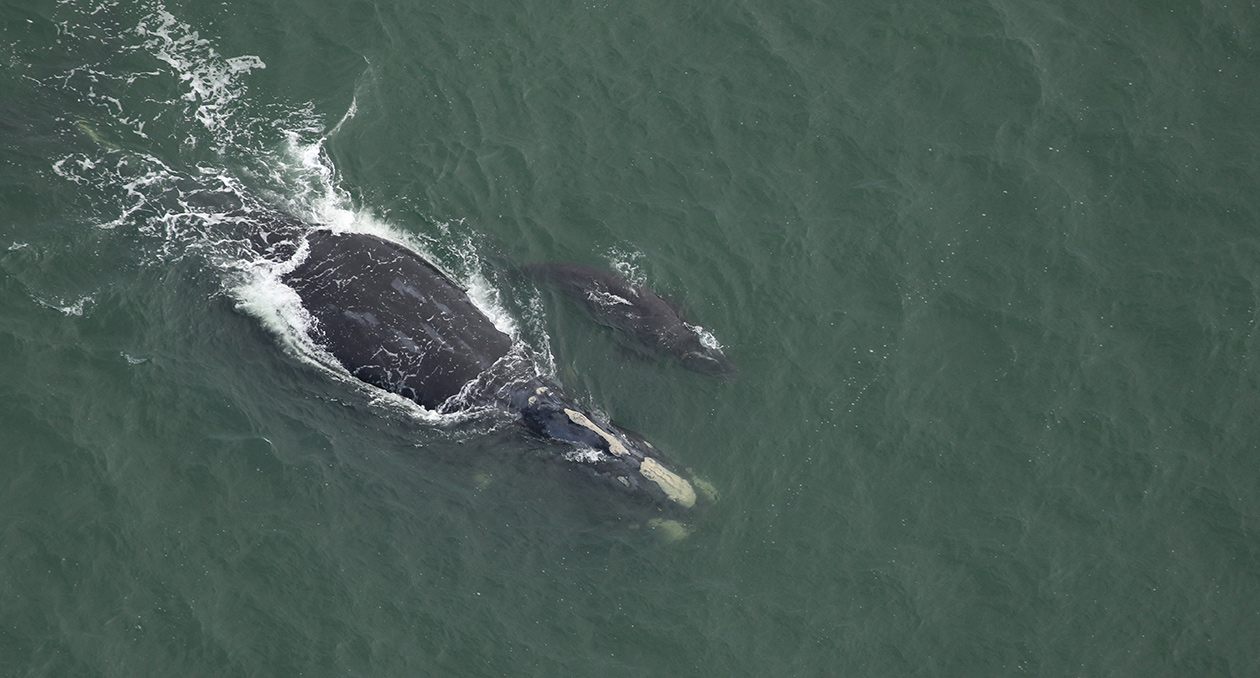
639 312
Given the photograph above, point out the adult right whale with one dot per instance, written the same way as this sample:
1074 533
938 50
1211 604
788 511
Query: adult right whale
395 321
645 316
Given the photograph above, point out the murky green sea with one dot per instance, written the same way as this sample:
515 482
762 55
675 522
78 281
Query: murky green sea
990 270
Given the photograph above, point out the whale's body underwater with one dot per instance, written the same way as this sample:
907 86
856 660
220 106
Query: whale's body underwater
395 321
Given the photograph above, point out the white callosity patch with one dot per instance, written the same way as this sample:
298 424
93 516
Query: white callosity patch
614 445
675 487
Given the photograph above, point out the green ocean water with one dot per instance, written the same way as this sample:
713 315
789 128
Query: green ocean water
990 270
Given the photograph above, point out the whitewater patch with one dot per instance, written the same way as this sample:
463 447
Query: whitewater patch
75 307
267 156
626 264
213 83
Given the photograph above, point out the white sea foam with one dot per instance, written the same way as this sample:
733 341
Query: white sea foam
626 264
212 83
706 337
75 307
277 157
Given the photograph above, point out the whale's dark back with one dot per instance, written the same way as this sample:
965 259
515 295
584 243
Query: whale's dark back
392 319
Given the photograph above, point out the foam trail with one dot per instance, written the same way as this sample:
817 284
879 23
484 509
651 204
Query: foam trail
186 204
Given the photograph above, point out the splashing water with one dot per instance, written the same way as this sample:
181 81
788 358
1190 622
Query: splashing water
233 153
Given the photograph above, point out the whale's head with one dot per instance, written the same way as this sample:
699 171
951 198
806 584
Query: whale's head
623 458
710 362
698 350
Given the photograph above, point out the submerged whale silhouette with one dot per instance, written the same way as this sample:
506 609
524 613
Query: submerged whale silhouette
395 321
643 315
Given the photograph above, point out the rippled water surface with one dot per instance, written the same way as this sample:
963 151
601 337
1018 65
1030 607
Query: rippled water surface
990 271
